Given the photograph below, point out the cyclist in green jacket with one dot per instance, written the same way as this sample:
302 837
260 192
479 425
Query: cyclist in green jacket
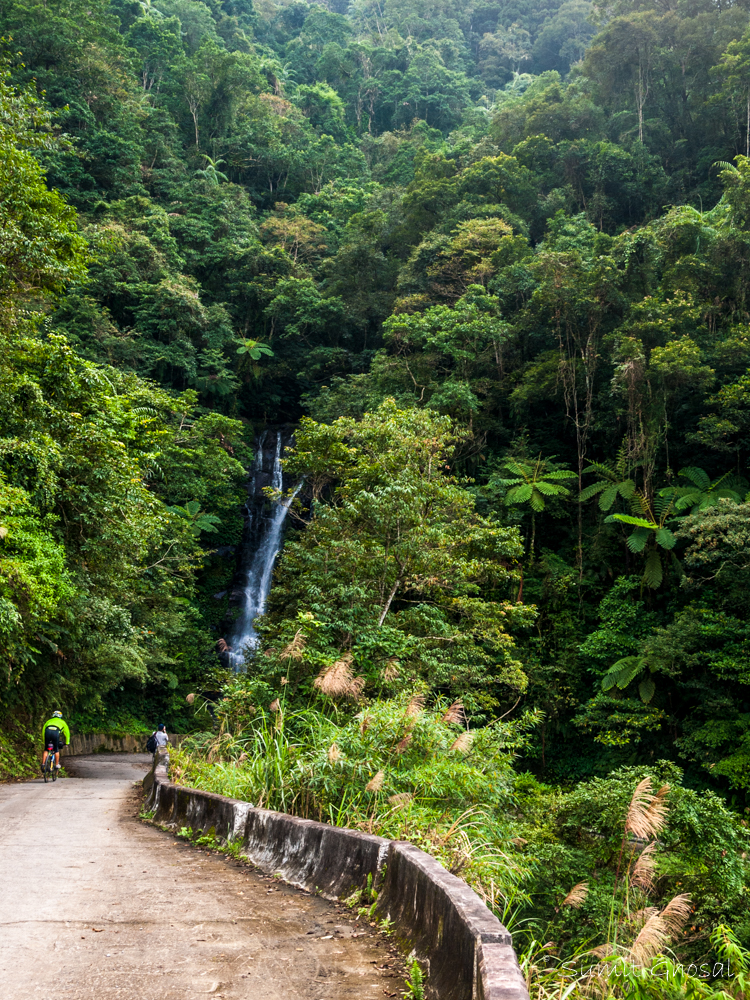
56 734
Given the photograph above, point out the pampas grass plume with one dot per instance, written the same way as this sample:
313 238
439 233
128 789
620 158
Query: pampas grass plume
647 813
337 680
391 669
375 783
463 742
415 706
295 649
400 799
577 895
659 928
454 714
643 870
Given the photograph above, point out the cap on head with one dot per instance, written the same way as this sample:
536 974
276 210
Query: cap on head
162 726
57 715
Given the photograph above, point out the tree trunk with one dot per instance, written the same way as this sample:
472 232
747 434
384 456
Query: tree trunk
387 605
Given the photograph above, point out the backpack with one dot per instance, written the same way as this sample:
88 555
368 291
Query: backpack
151 743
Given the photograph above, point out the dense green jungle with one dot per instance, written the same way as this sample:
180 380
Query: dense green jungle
491 261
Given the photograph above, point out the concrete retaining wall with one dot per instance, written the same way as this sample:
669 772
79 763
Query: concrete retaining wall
104 743
466 949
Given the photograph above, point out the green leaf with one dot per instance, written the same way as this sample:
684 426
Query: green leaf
638 522
608 497
636 541
653 572
537 502
646 689
552 489
697 476
560 474
622 672
592 490
520 494
665 538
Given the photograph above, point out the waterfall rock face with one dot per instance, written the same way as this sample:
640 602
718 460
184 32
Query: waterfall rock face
261 542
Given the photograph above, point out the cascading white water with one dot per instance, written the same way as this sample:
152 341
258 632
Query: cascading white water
260 571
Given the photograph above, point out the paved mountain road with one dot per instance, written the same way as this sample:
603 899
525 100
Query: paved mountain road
95 905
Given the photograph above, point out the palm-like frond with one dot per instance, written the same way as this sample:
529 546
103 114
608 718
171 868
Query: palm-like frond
623 672
725 165
653 571
647 689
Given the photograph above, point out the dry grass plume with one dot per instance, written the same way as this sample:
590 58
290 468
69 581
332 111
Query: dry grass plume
337 680
642 874
295 649
660 928
463 743
391 669
577 895
400 799
415 706
375 783
454 715
647 812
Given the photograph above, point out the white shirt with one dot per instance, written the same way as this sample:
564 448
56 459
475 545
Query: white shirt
161 738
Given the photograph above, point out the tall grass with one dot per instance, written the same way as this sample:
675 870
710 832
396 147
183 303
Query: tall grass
394 769
406 772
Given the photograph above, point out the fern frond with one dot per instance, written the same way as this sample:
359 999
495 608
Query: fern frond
638 522
622 672
591 491
697 476
646 689
653 572
637 540
725 165
665 538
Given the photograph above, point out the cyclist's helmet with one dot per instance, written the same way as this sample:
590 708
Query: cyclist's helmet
57 715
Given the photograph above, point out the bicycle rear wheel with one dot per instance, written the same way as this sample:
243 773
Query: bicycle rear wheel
45 770
54 770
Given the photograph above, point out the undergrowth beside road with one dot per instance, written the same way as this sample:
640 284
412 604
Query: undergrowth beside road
618 875
19 757
397 770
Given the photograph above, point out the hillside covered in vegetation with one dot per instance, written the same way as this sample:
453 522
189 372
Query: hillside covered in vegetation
492 261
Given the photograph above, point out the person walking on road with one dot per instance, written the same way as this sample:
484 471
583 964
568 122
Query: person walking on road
158 743
55 733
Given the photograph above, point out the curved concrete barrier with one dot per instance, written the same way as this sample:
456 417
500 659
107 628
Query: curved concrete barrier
467 951
87 743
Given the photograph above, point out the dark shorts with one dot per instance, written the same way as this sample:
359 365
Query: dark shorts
54 738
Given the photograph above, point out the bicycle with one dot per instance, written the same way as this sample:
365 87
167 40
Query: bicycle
49 770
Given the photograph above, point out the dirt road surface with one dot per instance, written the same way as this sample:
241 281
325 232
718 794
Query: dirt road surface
96 905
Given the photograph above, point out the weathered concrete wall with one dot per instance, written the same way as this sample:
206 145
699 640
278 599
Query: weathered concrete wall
105 743
443 918
467 950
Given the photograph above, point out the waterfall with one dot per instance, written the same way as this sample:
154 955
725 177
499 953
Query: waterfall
257 582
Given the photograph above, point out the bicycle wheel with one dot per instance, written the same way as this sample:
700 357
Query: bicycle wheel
45 770
54 770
